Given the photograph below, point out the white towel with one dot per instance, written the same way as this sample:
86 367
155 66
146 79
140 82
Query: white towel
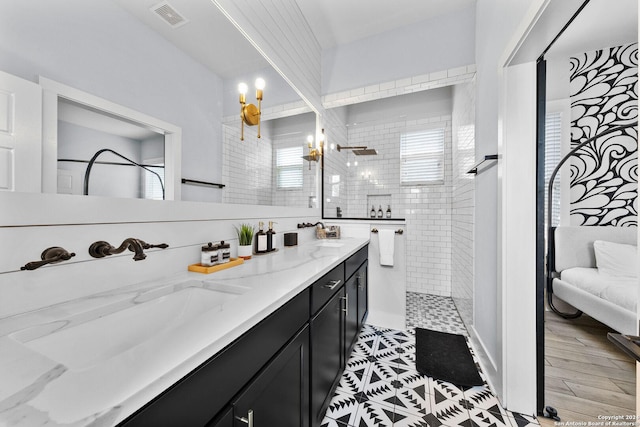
386 240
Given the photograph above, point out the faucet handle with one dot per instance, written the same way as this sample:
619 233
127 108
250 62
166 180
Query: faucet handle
146 245
50 255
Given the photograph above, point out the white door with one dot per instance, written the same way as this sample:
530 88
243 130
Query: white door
20 134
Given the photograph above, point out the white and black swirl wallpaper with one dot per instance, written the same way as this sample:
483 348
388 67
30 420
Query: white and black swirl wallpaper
604 173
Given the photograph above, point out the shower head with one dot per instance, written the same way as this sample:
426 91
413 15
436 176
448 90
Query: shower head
365 152
360 150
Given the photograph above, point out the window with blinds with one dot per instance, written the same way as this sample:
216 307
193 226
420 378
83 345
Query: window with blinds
152 186
422 157
289 167
552 156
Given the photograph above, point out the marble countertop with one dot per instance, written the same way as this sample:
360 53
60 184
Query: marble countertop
92 361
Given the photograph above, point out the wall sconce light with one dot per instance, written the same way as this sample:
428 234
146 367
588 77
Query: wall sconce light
249 113
315 153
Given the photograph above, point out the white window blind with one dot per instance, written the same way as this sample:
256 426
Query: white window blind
422 156
552 154
152 187
289 167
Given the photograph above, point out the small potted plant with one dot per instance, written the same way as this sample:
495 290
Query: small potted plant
245 240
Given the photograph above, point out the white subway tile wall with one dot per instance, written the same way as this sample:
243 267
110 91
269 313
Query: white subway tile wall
426 208
419 83
298 197
463 201
247 168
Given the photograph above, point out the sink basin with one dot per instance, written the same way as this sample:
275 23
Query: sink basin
105 336
328 244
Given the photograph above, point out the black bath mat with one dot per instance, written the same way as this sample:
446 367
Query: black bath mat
445 357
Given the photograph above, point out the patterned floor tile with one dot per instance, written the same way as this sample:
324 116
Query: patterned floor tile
342 409
522 420
381 386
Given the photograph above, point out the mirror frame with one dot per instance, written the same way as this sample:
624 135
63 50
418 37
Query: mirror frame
52 91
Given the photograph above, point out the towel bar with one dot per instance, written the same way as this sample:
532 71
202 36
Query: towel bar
398 231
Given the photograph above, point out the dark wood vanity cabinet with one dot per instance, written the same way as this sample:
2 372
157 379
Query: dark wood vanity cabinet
279 396
283 371
363 293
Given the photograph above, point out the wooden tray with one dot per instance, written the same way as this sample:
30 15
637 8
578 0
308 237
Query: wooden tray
199 268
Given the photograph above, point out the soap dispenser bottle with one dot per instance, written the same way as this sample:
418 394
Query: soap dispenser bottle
271 238
380 211
372 212
261 239
388 211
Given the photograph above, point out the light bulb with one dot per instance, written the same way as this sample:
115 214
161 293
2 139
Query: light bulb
243 88
260 83
310 139
348 164
355 163
333 146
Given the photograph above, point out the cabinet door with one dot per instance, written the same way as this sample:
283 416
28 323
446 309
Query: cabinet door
279 396
224 420
327 349
351 326
363 294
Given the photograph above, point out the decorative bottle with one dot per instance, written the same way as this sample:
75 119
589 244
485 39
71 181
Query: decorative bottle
372 213
261 239
271 238
380 211
388 211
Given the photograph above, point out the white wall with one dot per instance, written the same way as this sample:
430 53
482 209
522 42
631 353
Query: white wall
99 48
499 24
438 44
463 199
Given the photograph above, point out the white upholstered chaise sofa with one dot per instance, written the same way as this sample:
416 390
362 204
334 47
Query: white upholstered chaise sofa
609 298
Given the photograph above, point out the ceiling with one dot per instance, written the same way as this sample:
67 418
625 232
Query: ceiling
212 40
601 24
336 22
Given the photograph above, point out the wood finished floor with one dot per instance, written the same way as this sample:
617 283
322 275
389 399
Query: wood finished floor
585 374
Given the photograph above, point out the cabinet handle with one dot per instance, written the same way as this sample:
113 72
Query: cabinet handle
248 420
359 277
332 284
346 304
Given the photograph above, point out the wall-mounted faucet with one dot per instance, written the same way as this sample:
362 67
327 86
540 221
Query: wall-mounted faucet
101 249
308 224
49 256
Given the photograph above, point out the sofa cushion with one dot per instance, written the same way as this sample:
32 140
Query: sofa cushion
622 291
616 259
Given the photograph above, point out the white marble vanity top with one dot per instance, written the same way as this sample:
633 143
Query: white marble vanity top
94 361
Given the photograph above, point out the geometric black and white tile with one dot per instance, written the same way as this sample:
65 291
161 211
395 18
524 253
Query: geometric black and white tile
381 386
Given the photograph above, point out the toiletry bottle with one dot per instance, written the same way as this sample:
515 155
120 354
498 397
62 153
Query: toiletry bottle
339 212
209 255
271 238
224 254
261 239
380 211
388 211
372 213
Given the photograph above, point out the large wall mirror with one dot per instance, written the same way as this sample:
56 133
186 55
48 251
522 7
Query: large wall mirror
171 72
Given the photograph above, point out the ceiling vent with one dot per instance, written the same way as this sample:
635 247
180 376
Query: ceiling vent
169 14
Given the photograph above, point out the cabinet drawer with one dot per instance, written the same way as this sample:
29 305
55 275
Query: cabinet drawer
323 289
355 261
199 396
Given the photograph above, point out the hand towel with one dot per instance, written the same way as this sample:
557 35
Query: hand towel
386 240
